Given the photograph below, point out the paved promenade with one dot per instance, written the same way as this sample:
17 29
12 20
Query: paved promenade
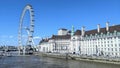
101 59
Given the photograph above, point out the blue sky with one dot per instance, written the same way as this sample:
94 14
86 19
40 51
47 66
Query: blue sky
50 15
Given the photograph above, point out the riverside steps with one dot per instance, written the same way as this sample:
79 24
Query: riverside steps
98 59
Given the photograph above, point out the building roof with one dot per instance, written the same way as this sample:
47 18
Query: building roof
77 32
103 30
44 40
62 29
116 27
61 37
69 31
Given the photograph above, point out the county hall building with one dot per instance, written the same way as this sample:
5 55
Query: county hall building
101 41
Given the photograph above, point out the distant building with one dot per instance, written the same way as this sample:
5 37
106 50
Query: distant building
101 41
57 43
60 43
63 31
44 45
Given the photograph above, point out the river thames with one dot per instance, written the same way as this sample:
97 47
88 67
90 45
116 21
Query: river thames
46 62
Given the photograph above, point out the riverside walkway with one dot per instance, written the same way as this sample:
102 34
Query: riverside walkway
101 59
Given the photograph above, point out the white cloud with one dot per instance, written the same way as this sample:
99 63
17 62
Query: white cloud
36 37
11 36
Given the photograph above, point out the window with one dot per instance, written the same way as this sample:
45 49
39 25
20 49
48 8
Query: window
115 45
112 49
101 45
119 37
105 48
116 53
102 49
105 53
112 45
112 53
115 49
108 49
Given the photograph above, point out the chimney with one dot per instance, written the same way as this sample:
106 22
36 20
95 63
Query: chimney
107 26
83 31
98 28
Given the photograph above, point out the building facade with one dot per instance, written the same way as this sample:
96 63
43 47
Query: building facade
102 41
98 42
57 43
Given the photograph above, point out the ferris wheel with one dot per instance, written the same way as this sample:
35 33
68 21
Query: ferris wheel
29 28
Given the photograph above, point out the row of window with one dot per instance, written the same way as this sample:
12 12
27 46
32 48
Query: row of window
102 49
105 42
104 35
109 45
55 47
111 54
108 54
102 45
101 38
99 42
110 49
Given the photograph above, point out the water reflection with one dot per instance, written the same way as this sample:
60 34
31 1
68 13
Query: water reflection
45 62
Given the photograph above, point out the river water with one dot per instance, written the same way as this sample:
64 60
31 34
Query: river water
46 62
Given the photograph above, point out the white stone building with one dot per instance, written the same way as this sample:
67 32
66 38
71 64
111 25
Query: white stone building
61 43
101 41
44 45
57 43
75 42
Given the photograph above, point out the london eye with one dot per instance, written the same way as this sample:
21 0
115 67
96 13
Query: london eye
29 28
